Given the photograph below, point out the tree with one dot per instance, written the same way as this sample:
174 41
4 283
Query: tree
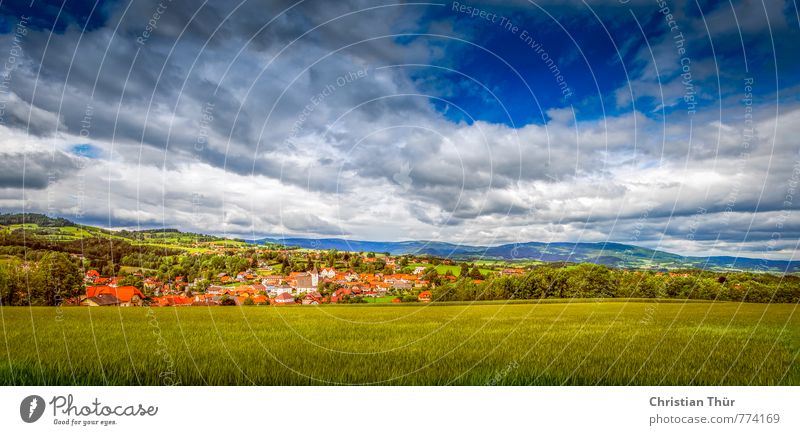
226 301
464 270
591 280
10 280
56 278
332 258
133 280
475 273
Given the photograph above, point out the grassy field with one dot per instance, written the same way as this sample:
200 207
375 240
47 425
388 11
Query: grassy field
613 343
380 300
455 270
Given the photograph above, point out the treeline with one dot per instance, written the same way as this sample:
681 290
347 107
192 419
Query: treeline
103 254
167 234
596 281
54 278
33 218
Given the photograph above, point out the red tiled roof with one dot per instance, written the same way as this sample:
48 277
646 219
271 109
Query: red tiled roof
123 293
126 292
93 291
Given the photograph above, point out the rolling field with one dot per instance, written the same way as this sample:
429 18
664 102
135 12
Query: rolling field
609 343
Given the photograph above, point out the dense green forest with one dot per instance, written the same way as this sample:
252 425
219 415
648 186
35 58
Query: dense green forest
33 218
52 279
595 281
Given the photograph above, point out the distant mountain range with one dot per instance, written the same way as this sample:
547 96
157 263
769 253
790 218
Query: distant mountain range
609 254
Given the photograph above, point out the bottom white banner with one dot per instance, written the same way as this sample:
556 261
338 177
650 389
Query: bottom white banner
395 410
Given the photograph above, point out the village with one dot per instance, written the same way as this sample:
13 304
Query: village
263 286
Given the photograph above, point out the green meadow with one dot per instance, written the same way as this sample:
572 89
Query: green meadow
562 343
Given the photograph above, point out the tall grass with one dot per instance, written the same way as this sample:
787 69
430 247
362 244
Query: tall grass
618 343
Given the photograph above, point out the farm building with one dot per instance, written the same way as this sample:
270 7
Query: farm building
425 296
284 299
102 300
127 295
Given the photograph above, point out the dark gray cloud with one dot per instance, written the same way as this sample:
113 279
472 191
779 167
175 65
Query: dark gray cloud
35 170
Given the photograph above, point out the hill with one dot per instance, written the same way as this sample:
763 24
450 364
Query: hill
43 231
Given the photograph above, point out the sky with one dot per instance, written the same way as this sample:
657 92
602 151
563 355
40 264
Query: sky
666 124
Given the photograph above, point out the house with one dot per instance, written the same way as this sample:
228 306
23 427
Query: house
313 298
276 290
127 295
174 301
425 296
284 299
215 290
102 300
400 284
272 280
419 270
328 273
93 291
244 290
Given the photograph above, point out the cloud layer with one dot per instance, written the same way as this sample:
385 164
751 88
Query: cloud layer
384 121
